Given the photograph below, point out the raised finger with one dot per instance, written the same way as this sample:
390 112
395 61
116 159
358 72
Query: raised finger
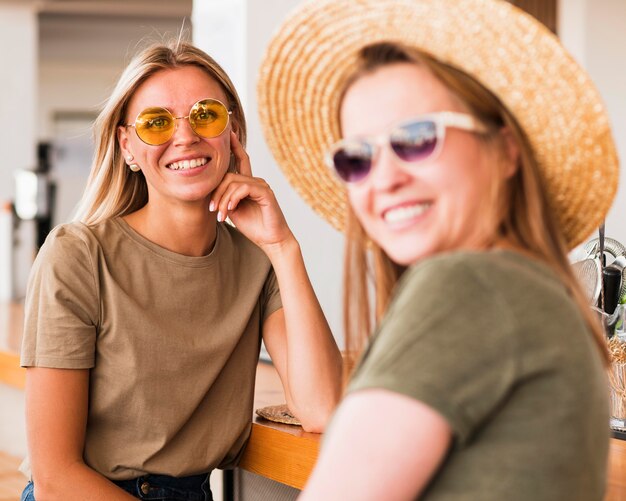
241 155
218 192
226 203
237 195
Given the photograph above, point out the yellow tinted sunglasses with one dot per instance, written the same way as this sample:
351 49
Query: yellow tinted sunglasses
155 125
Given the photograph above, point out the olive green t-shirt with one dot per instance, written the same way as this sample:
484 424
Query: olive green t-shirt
494 343
172 342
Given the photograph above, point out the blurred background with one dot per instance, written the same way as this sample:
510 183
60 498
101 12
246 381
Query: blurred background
61 59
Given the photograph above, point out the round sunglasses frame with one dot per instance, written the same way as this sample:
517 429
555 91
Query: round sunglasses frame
441 119
175 119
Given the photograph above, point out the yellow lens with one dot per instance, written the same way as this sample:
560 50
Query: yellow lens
208 118
155 126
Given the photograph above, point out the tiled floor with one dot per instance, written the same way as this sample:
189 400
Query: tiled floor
12 482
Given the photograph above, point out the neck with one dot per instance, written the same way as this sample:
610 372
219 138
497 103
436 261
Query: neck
189 230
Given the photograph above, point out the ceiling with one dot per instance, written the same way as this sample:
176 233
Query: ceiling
71 31
111 8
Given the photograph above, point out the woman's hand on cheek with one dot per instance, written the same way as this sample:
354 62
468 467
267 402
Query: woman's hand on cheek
250 203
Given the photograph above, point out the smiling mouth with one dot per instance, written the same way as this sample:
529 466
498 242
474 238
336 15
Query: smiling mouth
188 164
405 213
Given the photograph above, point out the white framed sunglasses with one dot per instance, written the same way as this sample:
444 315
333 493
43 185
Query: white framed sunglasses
414 141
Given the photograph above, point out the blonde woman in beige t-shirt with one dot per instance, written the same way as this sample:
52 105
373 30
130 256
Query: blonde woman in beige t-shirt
144 316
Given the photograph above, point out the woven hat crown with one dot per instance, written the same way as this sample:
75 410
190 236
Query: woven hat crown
519 60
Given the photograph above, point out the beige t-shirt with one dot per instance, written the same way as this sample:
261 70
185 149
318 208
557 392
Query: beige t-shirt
495 344
172 343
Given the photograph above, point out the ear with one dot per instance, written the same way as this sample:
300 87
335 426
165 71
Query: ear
511 151
123 140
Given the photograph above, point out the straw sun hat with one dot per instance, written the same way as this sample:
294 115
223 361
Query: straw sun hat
516 57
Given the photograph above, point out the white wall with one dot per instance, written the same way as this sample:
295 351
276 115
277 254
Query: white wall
18 92
606 62
18 110
253 22
595 33
322 245
219 28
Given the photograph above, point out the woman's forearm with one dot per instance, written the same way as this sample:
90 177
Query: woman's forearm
313 363
77 482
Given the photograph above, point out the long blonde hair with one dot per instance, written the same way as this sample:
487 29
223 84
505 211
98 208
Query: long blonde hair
518 208
112 189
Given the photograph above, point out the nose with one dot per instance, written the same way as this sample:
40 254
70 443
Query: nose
387 173
183 134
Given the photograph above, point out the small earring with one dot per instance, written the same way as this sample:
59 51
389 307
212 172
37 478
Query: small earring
134 167
129 158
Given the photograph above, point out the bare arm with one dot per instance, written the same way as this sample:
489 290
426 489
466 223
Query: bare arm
301 345
56 418
382 445
297 337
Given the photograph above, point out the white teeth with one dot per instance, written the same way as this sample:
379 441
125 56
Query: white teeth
403 213
187 164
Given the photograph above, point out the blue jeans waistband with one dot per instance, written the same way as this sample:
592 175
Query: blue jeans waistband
156 487
164 487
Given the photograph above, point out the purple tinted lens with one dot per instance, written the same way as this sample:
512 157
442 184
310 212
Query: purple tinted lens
415 142
353 163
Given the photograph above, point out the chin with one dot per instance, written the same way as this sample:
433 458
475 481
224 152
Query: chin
404 260
193 197
407 247
408 255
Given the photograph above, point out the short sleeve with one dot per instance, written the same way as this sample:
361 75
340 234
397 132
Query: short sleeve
270 300
61 307
447 340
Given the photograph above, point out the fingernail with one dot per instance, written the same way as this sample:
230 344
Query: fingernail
212 206
219 216
230 205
